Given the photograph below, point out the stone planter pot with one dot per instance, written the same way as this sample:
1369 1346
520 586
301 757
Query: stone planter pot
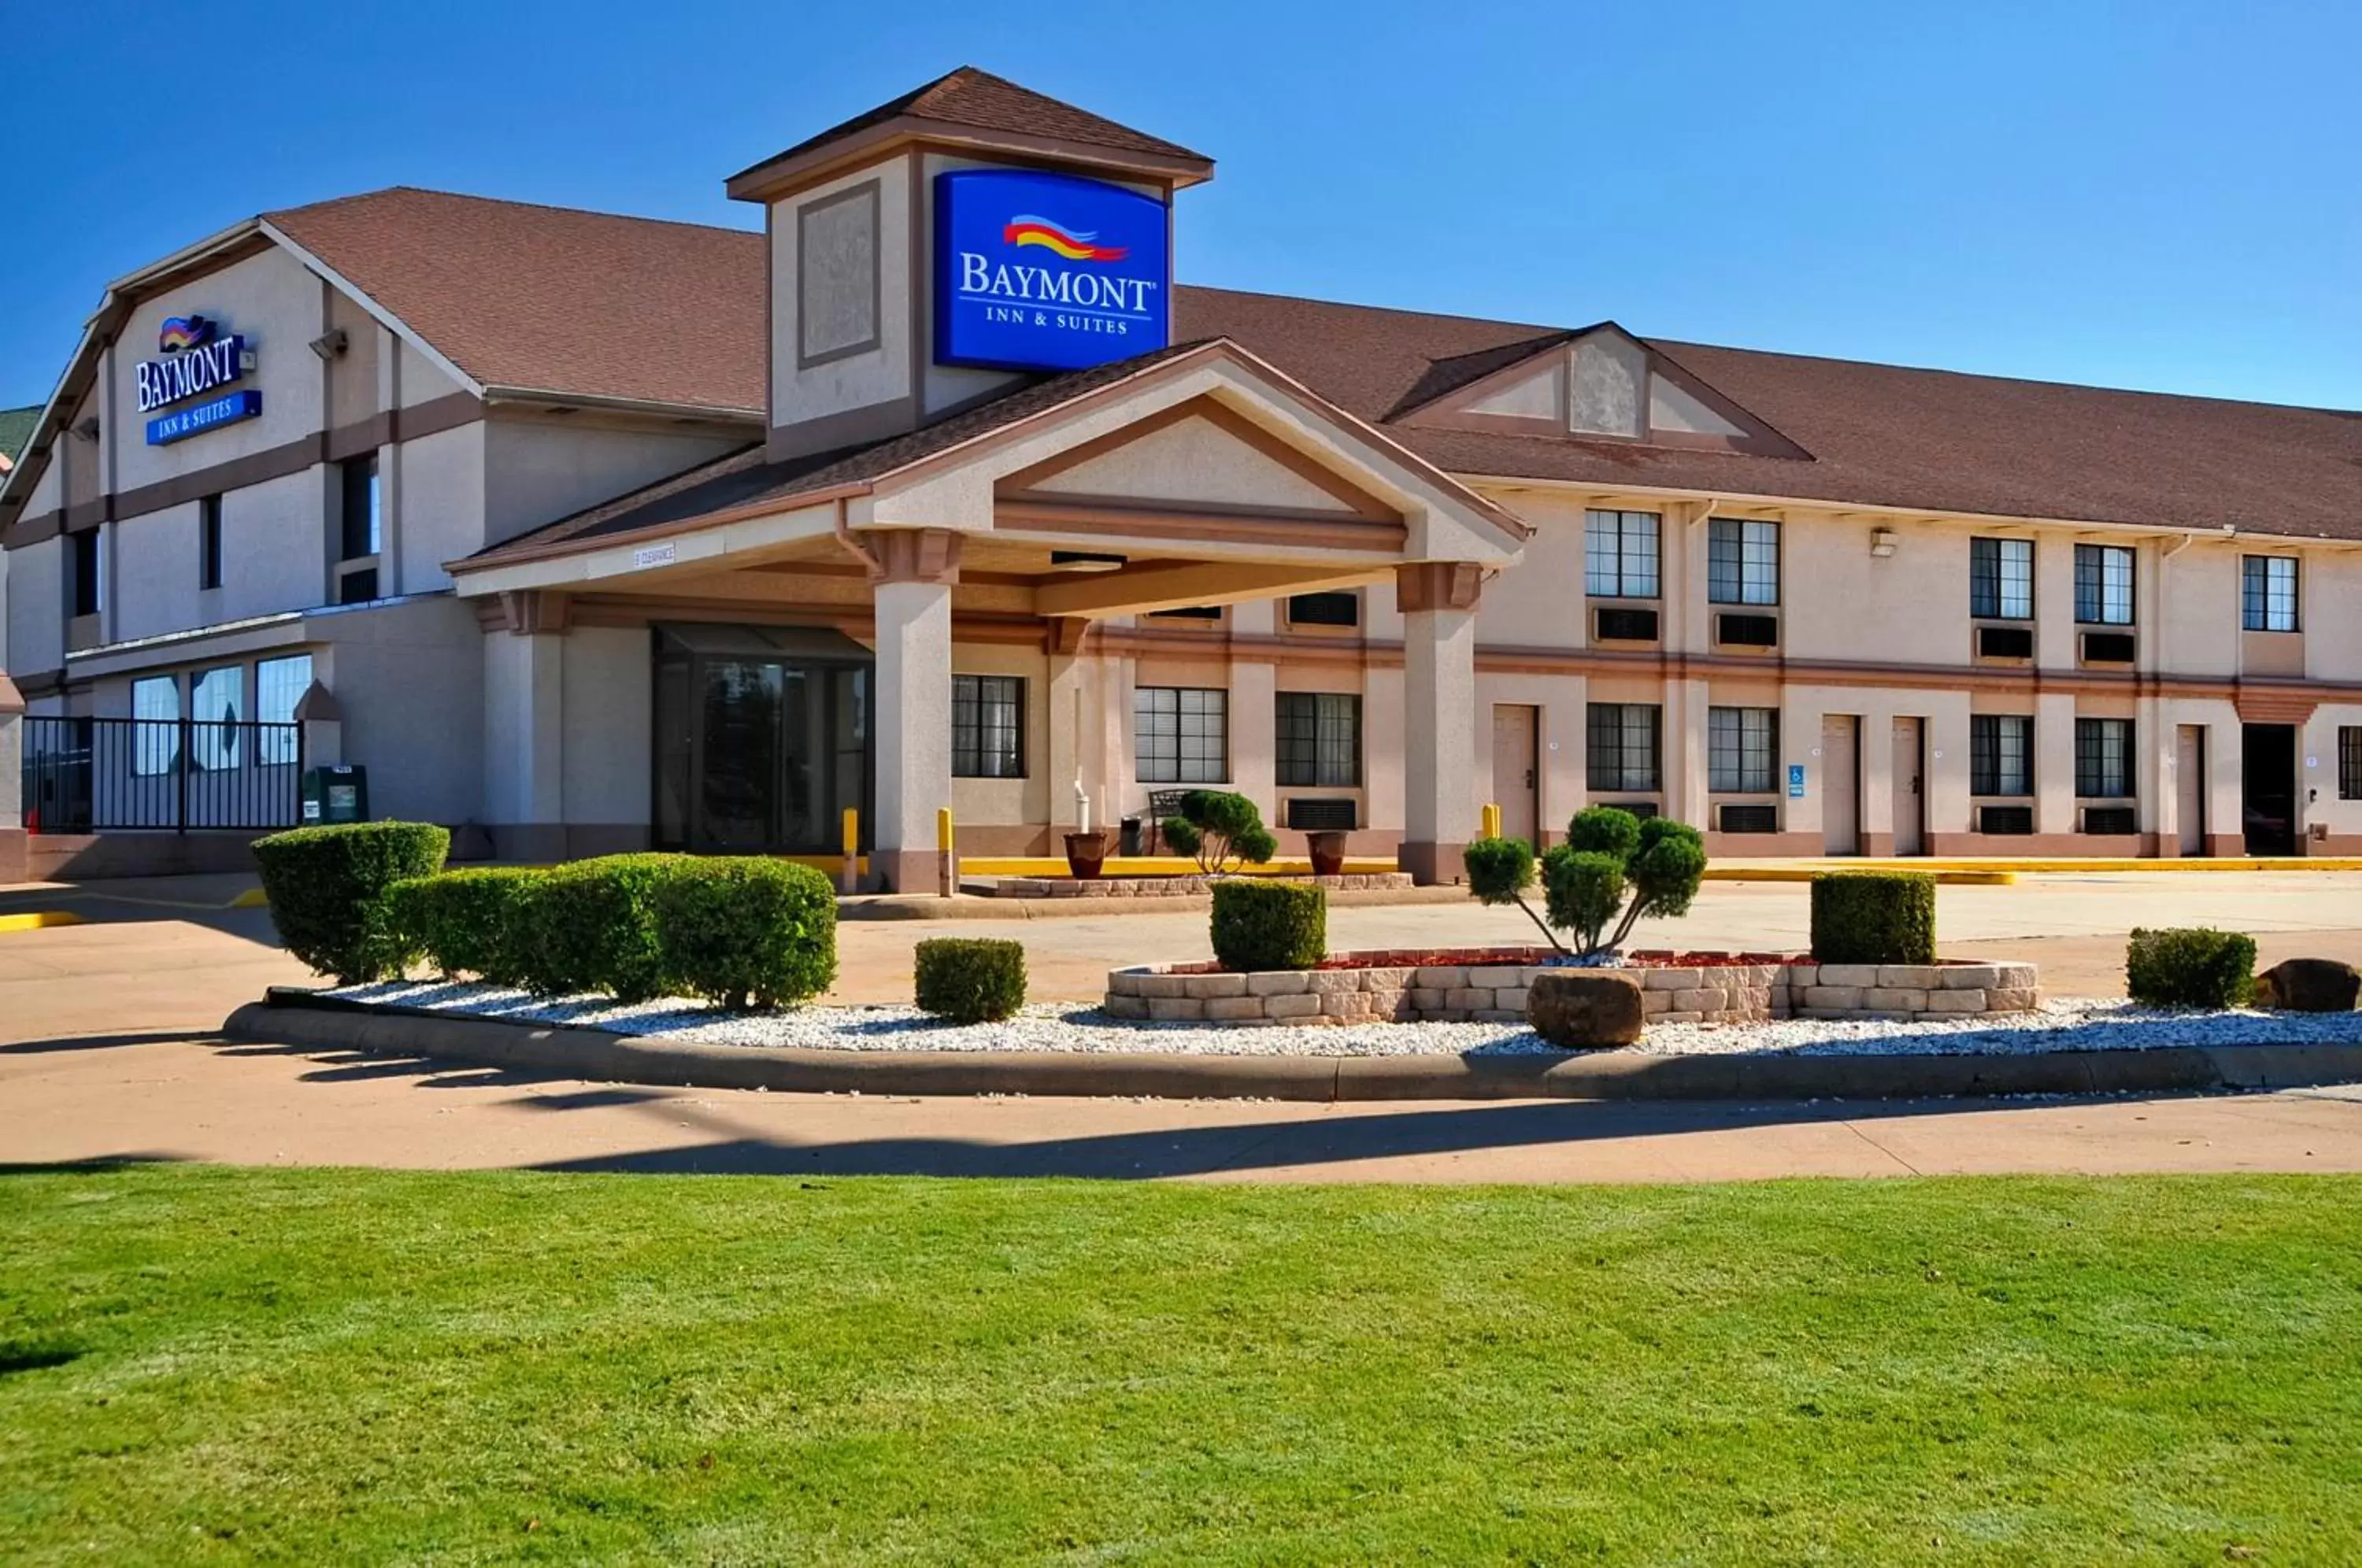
1086 853
1328 851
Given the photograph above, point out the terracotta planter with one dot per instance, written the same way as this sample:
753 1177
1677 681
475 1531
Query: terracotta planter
1328 851
1086 853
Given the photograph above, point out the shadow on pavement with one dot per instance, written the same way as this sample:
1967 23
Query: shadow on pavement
90 1042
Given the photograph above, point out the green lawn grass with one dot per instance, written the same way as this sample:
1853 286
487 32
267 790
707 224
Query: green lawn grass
205 1364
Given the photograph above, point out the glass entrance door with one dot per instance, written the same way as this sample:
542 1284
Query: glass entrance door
762 739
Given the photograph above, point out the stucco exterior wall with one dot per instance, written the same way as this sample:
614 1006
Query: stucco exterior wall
36 603
536 472
608 727
410 680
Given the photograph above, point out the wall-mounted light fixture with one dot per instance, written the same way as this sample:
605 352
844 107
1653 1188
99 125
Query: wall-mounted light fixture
331 344
88 428
1084 560
1881 542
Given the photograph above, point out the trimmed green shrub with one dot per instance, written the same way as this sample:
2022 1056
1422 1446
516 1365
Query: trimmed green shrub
326 888
2190 966
1270 925
1222 830
468 922
745 930
591 925
971 979
1608 853
1874 917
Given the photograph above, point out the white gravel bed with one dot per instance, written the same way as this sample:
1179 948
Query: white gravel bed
2063 1024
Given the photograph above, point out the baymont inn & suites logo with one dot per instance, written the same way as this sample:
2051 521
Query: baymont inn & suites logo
1046 271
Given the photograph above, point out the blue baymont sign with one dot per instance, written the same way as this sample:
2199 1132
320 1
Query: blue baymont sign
1047 271
197 359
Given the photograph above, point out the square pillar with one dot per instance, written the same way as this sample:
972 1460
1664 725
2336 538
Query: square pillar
13 851
2054 764
910 595
1254 735
1437 600
524 743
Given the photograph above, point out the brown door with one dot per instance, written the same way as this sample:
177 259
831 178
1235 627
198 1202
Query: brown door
1517 783
1840 784
2189 786
1910 788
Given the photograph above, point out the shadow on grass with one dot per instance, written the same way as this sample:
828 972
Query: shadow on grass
36 1356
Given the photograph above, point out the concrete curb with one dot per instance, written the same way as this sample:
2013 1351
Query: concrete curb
974 906
301 1018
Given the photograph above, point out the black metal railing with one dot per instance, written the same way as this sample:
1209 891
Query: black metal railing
87 775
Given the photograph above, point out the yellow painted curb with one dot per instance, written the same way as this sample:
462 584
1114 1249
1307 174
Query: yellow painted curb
35 920
2067 863
1984 877
252 899
1159 865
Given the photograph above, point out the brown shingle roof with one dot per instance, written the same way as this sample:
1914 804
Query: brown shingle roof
591 305
555 299
977 100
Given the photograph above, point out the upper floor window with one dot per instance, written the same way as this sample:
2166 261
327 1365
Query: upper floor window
360 532
2268 593
2000 754
1342 608
2103 585
1623 750
2001 580
2104 752
987 726
1319 737
1619 555
1742 745
86 569
1742 562
209 542
1181 735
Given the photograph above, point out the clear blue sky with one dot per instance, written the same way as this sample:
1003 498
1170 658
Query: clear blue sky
2161 195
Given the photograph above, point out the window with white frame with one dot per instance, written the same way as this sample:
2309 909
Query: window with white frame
1319 740
1621 555
2000 754
1742 562
156 725
1623 750
987 726
1741 748
2001 580
279 686
2104 758
214 697
2268 593
1181 735
2103 585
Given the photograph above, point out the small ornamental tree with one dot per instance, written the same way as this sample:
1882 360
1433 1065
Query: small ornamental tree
1611 860
1222 830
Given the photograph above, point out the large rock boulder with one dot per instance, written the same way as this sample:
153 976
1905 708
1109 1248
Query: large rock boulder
1584 1010
2309 985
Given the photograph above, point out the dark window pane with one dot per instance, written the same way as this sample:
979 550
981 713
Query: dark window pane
1319 740
987 726
1623 747
1325 610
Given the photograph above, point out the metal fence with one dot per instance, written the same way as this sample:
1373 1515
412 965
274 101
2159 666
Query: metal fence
89 775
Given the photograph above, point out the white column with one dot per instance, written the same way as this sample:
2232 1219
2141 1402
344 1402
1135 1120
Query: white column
1439 606
524 732
1254 735
1683 761
911 597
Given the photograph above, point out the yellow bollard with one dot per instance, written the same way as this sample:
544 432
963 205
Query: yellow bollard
948 867
1491 822
848 878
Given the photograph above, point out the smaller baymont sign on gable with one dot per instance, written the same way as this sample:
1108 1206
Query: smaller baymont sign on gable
1047 271
195 359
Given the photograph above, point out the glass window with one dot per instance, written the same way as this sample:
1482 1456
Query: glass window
2103 585
2001 580
1339 609
1742 562
1741 748
278 685
2103 753
209 542
1623 747
2349 762
1619 555
88 586
1181 735
987 726
1319 740
2000 754
361 532
214 697
155 730
2268 593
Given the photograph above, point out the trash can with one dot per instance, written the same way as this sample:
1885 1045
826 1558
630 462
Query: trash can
335 795
1130 839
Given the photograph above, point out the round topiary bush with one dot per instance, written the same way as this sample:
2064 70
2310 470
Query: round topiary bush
468 922
741 932
2190 966
327 887
1270 925
971 979
1874 917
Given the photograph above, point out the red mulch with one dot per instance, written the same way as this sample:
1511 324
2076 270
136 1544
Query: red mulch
1439 957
